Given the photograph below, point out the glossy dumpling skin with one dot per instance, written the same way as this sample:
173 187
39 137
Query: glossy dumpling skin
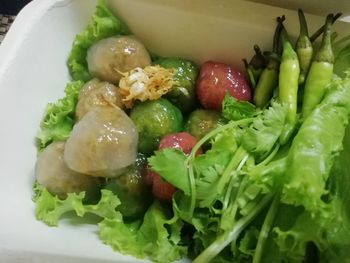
102 143
97 93
52 172
110 56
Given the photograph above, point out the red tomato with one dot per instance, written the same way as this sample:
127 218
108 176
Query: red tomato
160 189
215 79
183 141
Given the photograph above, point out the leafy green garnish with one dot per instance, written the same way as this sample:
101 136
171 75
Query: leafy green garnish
50 208
59 117
341 49
104 24
339 184
235 110
176 173
246 199
265 131
316 144
155 237
236 180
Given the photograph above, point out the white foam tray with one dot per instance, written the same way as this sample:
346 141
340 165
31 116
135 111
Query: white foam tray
33 72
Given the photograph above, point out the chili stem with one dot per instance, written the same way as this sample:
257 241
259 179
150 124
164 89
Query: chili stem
303 48
322 28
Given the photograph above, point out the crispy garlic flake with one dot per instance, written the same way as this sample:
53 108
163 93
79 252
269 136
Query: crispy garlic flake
149 83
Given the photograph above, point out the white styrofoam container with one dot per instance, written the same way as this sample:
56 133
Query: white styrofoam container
33 72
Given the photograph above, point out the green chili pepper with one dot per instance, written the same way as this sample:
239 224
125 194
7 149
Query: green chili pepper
250 73
269 77
255 66
303 48
267 83
288 85
320 73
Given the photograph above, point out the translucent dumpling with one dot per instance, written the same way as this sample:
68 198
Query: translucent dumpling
97 93
102 143
110 56
52 172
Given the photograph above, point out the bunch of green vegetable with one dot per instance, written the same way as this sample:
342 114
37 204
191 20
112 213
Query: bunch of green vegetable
266 182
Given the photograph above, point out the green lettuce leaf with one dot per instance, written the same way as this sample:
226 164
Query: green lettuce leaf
344 180
274 248
338 233
341 50
50 208
293 242
155 237
248 242
314 148
58 118
104 24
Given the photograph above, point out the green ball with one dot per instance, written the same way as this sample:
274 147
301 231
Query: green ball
182 94
154 119
201 122
130 187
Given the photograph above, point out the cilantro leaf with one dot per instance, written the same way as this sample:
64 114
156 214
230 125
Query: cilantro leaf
210 166
232 109
264 132
169 163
